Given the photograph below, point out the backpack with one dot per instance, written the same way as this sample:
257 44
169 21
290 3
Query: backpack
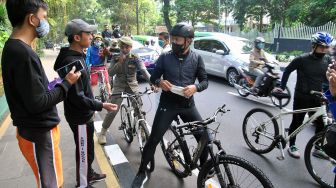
329 141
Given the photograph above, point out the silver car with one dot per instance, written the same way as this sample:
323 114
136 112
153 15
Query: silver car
223 55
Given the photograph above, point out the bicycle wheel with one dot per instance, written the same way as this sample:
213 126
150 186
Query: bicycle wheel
319 167
285 102
126 123
143 136
235 172
259 130
173 149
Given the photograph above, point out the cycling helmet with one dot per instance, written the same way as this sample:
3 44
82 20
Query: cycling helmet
322 38
183 30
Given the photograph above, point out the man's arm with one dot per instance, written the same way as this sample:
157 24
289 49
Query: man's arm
289 69
201 76
158 71
141 66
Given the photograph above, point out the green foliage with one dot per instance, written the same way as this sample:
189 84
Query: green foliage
287 56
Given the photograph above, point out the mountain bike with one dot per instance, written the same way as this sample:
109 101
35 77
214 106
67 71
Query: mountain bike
261 130
133 120
222 170
103 90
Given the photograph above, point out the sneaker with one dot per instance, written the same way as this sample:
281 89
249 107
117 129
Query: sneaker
320 154
102 138
139 180
95 177
294 152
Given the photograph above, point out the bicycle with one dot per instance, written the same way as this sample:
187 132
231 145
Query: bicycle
103 90
225 168
133 120
265 131
320 168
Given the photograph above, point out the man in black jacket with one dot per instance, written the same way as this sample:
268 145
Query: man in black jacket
79 106
311 71
31 99
179 69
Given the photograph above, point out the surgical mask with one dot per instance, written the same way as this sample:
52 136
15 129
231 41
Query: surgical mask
178 49
43 28
260 45
319 55
161 43
97 43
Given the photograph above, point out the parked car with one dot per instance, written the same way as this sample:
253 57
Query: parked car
224 54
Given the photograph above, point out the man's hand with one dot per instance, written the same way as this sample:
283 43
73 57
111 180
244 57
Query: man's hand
165 85
110 107
73 76
331 76
189 91
278 89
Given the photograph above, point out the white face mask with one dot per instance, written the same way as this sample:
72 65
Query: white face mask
43 28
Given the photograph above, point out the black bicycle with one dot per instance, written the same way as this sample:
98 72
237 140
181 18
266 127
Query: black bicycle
221 170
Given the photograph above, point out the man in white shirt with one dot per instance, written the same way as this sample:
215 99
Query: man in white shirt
164 42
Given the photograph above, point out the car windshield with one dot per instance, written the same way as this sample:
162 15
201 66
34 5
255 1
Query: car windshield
242 46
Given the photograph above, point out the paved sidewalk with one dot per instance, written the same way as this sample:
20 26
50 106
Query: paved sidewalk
14 169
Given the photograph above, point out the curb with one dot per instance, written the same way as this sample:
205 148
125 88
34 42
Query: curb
118 161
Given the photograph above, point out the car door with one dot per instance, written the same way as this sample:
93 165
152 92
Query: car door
204 49
218 61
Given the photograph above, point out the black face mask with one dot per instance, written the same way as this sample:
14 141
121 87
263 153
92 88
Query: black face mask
319 55
178 49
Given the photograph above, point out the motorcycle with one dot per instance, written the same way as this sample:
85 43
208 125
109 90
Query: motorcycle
270 81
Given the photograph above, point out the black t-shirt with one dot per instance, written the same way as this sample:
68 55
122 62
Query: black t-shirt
31 103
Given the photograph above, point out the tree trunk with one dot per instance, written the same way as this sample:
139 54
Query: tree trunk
166 10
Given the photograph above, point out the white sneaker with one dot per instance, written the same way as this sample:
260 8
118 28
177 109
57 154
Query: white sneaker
294 152
102 138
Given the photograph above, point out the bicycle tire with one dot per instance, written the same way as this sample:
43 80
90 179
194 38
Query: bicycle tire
317 167
261 128
233 163
275 101
126 123
143 136
173 149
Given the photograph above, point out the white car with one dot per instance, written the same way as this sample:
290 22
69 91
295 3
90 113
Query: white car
224 55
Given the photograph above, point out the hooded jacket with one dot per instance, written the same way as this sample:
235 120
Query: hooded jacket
80 104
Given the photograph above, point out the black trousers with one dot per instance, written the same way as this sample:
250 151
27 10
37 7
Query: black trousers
164 116
302 103
83 136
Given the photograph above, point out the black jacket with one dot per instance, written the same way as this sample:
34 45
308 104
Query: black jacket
80 104
31 103
180 72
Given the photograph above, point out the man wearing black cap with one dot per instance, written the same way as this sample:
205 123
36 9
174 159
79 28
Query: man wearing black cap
79 107
175 73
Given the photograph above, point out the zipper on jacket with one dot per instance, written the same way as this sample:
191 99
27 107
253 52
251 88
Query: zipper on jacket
180 71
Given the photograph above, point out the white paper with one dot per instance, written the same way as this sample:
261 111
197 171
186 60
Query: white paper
177 90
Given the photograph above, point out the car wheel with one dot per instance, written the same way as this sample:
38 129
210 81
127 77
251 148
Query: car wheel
232 76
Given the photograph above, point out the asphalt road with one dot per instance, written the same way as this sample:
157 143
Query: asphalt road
284 174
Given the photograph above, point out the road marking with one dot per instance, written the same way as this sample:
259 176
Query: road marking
4 126
115 154
111 180
255 100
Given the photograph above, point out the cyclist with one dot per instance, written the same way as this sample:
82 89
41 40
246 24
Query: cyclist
311 70
80 105
179 67
257 61
124 68
96 58
31 101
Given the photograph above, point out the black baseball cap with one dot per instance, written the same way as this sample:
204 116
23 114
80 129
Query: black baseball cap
76 26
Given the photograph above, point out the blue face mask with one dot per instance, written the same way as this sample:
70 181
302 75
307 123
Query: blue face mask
161 43
43 28
260 45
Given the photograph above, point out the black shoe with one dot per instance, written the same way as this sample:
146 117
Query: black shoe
95 177
139 180
122 127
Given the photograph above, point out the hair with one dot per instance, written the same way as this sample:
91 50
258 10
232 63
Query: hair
165 35
71 39
17 10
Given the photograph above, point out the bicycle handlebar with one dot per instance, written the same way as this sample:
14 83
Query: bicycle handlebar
127 95
205 122
320 95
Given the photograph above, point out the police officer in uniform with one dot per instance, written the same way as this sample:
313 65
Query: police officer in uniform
124 68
